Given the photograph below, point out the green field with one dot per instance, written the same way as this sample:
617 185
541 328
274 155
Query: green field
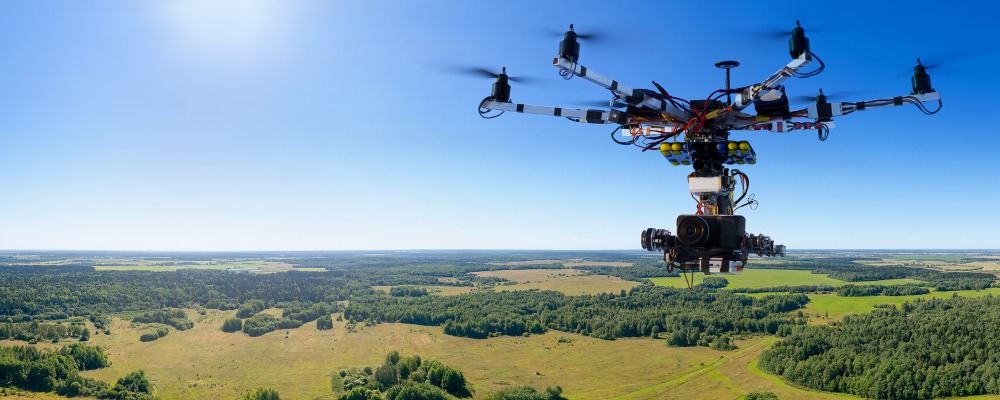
839 306
761 278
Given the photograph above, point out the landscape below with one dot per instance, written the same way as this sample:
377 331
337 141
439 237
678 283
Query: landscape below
495 325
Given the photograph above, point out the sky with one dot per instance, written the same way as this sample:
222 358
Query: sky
233 125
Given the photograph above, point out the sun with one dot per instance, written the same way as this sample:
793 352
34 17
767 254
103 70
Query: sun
227 32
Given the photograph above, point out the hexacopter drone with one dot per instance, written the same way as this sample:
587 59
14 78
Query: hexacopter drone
712 240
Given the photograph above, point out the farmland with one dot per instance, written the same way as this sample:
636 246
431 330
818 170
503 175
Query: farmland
303 362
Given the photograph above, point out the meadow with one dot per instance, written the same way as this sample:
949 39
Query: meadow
761 278
205 363
568 281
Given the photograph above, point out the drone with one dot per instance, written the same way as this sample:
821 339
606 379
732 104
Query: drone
696 133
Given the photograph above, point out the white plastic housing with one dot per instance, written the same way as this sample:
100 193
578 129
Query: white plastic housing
711 184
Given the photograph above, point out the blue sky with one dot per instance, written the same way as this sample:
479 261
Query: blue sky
312 125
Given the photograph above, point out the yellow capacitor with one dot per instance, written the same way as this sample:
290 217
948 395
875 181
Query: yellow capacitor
745 147
733 147
686 162
677 148
665 149
674 162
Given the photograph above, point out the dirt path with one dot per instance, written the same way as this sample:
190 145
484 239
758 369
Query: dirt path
721 383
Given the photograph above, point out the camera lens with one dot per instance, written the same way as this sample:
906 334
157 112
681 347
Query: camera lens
692 230
647 239
655 239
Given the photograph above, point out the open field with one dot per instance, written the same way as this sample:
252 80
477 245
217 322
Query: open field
728 377
439 290
839 306
929 257
568 281
759 278
263 266
205 363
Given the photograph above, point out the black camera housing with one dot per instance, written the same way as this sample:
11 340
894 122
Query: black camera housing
706 231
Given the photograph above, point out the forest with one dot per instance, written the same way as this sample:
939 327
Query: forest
702 314
59 371
922 350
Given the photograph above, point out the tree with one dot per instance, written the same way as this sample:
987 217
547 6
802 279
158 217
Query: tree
135 382
760 395
232 325
526 393
262 394
85 335
386 375
324 323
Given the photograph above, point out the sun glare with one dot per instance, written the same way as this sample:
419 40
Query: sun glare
226 32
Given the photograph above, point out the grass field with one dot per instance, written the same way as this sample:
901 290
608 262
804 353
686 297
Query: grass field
439 290
205 363
929 257
263 266
759 278
568 281
729 377
839 306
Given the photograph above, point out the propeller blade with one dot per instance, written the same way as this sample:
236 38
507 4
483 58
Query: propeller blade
482 72
486 73
832 96
775 33
588 35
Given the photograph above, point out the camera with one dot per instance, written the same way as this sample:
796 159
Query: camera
711 230
709 243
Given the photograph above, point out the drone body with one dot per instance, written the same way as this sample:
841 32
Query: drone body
696 133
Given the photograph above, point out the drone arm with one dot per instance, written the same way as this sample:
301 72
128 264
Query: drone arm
588 116
828 110
752 93
630 95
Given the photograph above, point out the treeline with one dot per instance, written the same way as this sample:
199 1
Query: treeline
636 273
175 318
922 350
908 289
40 331
361 260
846 269
407 291
58 371
787 289
637 313
41 296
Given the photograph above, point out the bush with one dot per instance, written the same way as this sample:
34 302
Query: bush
760 395
324 323
263 394
232 325
148 337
